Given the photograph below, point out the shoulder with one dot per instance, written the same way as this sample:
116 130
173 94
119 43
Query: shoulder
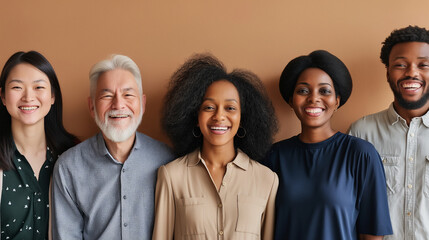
367 121
355 144
154 148
78 153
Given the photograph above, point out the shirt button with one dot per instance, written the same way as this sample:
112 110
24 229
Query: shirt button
221 232
412 134
219 205
123 169
384 160
411 159
409 213
125 196
125 224
410 186
223 184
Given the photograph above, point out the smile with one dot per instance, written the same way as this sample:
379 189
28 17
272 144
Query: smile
411 86
28 108
119 116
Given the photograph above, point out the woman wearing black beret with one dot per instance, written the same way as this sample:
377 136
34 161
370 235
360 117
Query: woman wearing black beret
331 185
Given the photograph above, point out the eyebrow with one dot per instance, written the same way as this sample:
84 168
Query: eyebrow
229 99
128 89
20 81
400 57
307 84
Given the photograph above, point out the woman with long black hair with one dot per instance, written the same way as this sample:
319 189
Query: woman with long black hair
32 136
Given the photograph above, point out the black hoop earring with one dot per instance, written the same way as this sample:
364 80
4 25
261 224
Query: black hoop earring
241 135
199 132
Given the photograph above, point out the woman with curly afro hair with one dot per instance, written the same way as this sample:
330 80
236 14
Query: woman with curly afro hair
219 123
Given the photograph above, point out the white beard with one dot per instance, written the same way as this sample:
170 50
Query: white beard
114 133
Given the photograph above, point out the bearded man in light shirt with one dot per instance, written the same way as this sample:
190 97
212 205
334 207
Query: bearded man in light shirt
104 187
401 133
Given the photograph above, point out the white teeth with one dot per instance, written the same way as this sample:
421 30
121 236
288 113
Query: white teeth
219 128
28 108
119 116
314 110
411 85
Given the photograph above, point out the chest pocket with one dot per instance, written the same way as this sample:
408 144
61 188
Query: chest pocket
391 169
426 185
193 218
250 210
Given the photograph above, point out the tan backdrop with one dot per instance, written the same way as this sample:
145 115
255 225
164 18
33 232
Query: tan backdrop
261 36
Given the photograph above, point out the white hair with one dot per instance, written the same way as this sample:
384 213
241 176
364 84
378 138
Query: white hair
116 61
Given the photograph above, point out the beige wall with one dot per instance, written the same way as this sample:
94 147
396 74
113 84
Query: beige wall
261 36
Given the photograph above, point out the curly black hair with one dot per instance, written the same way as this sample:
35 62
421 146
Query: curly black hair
185 94
407 34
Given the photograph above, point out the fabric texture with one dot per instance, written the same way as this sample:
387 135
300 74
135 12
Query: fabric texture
98 197
334 189
25 199
189 206
404 150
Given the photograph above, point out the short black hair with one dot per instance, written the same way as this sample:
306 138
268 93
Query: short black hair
407 34
185 94
323 60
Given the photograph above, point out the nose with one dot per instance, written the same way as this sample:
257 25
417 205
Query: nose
313 97
412 71
118 102
28 95
219 115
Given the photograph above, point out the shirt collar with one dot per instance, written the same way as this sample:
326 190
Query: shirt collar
102 148
394 117
241 160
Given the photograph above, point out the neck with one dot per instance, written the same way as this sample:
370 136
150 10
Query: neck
409 114
218 155
29 139
315 135
120 150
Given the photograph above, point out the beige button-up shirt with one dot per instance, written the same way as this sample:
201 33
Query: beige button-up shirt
188 205
404 150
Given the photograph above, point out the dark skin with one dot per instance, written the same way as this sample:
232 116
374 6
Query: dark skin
314 102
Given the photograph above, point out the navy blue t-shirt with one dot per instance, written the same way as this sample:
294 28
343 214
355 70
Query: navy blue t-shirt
335 189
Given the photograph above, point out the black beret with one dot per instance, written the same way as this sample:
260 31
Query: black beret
323 60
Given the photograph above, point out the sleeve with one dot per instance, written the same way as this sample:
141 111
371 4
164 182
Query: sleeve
269 216
164 207
67 220
374 215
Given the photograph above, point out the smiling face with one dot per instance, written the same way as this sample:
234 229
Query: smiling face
117 106
314 99
408 74
219 114
27 95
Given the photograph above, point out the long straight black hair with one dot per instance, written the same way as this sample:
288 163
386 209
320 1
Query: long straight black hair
57 138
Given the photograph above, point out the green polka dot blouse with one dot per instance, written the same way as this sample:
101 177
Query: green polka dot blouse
25 200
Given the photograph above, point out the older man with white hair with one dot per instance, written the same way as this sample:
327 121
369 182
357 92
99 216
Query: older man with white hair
104 187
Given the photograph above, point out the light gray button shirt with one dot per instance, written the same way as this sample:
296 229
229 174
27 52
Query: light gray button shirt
97 197
405 154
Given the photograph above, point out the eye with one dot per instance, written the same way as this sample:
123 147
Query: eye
16 87
40 87
106 96
325 91
424 65
231 108
400 65
302 91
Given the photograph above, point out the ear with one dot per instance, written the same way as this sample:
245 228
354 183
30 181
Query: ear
91 107
2 98
338 102
53 99
143 102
